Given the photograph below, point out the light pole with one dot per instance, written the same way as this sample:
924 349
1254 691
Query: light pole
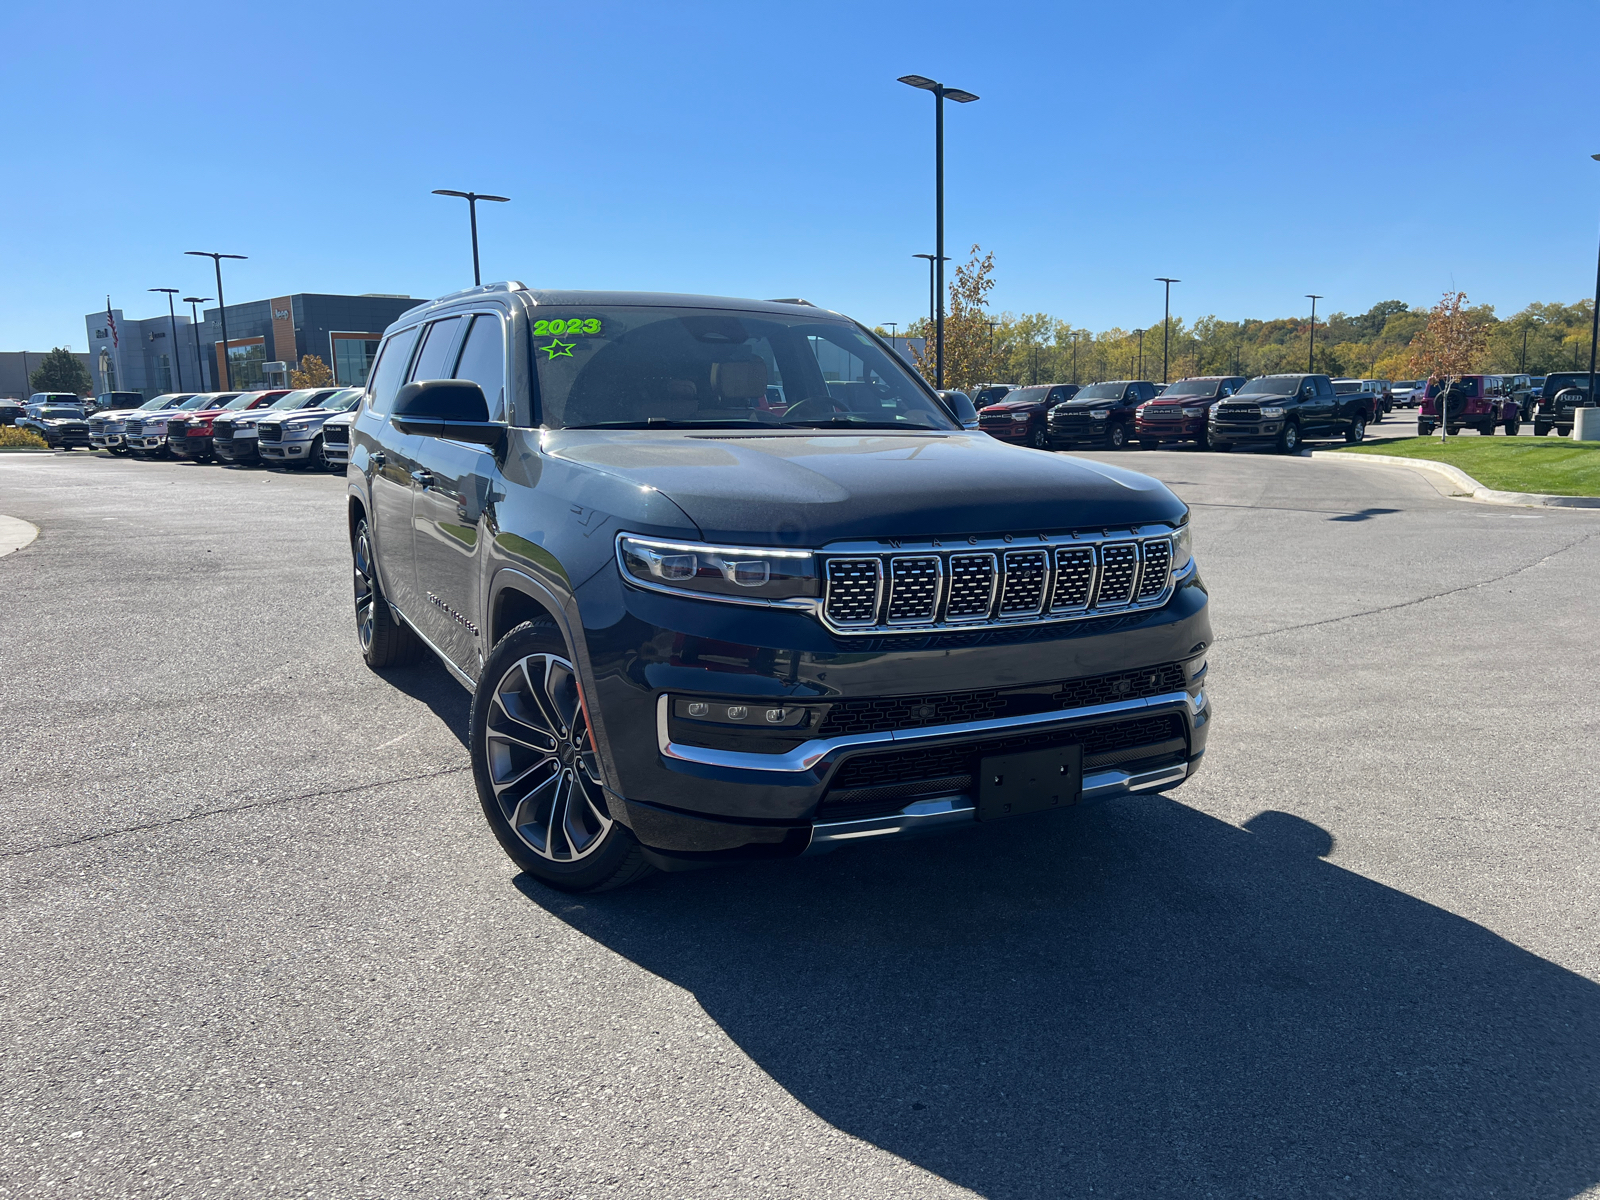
1311 362
1074 356
172 323
893 326
194 333
960 97
1594 328
991 324
472 199
933 288
1141 355
1166 323
222 311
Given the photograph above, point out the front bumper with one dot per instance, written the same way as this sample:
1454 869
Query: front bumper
1184 429
285 451
147 441
240 448
1012 431
1074 432
703 802
191 446
1239 433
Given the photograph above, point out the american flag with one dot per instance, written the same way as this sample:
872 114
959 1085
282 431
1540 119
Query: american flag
111 321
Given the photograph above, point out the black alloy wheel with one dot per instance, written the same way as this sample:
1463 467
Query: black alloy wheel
1117 436
1357 430
1289 438
385 641
536 770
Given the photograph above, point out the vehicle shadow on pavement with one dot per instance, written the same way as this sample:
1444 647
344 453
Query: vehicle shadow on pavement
1138 999
430 683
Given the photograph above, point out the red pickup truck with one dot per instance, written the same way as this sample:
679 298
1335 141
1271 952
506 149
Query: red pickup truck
189 435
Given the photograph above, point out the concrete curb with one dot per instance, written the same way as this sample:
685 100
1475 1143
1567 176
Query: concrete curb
1471 489
15 534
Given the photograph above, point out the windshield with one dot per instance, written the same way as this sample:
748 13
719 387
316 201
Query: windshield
157 402
632 368
244 400
1027 395
1192 387
344 401
1271 385
57 413
292 399
202 400
1101 391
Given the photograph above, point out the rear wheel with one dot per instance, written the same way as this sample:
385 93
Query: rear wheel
1512 426
1289 438
537 775
1357 430
1486 429
385 641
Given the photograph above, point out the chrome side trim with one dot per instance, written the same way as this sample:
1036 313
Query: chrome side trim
936 813
808 754
460 676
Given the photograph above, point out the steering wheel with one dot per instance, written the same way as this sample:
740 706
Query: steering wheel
812 409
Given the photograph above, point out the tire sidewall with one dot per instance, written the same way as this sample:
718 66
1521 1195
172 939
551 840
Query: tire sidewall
531 637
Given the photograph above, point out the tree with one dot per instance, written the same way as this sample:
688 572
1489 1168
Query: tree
1452 344
969 354
313 373
61 371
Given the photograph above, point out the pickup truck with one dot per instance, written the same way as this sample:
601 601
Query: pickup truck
1360 391
1287 411
696 631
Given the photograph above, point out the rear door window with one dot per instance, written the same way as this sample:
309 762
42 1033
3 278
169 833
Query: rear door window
393 358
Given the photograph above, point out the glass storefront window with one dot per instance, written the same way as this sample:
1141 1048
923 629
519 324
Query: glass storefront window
163 374
352 358
246 363
108 372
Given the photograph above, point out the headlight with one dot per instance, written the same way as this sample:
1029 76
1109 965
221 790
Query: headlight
297 427
245 423
1182 550
1194 412
1100 414
719 572
1272 414
1020 416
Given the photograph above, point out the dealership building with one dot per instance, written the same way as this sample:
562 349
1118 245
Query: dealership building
266 340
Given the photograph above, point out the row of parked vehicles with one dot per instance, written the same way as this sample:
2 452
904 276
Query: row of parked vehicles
304 427
1217 412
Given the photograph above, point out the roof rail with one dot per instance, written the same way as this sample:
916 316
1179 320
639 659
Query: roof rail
793 300
507 285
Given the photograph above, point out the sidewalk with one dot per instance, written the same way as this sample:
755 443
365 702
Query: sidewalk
15 534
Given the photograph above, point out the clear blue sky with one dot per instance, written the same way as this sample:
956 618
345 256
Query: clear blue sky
1258 151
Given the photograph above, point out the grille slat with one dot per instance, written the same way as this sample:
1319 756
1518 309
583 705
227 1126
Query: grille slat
1075 569
1157 564
270 433
335 435
1120 567
972 579
913 589
1023 592
853 588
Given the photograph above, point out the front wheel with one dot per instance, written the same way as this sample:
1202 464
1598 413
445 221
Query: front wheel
536 771
1289 438
1357 430
1512 426
316 460
1040 439
1117 436
385 641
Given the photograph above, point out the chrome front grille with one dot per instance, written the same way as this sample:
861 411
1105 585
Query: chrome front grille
928 587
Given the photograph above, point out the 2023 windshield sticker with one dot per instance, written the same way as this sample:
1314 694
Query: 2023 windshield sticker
571 327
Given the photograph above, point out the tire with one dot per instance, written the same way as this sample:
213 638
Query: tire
1117 436
1423 429
1512 426
385 641
1486 430
1039 441
315 459
1541 430
1149 443
535 769
1357 430
1289 438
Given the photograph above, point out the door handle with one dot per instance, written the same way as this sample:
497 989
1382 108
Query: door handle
422 478
377 458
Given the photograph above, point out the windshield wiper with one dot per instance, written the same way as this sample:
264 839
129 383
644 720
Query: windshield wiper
669 423
838 421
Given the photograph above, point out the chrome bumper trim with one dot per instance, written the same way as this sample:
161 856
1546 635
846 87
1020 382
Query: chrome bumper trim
808 754
943 812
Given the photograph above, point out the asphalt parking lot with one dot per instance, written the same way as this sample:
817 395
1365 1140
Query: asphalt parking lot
256 940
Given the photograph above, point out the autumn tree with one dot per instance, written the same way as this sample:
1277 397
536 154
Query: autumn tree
313 373
969 356
61 371
1452 344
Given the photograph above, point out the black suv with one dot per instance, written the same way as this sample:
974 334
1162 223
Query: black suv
1286 410
1100 414
1564 393
697 630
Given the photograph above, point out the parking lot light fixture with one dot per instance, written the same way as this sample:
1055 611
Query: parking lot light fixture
940 92
1166 323
472 199
1594 328
194 333
172 324
1311 361
222 312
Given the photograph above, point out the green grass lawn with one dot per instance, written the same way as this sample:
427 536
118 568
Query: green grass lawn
1552 465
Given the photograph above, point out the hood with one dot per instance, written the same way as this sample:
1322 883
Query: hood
1179 401
300 414
1078 402
811 489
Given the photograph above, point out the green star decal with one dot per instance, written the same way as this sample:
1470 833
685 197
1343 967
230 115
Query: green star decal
557 349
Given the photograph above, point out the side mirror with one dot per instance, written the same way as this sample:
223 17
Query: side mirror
446 408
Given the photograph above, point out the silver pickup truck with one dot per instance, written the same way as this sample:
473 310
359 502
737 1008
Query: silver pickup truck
295 438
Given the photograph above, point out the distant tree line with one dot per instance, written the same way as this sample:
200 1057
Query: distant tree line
1006 347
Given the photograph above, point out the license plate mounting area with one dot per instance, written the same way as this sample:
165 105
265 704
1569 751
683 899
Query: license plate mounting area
1010 785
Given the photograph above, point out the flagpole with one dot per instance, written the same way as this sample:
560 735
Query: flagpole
116 350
